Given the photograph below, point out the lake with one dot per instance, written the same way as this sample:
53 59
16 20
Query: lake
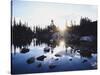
43 58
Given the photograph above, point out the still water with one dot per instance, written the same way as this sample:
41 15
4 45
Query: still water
58 58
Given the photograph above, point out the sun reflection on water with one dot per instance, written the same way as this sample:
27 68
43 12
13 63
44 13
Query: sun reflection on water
61 47
58 49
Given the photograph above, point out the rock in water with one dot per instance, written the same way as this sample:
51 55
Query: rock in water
57 55
84 61
52 66
31 60
39 65
46 49
70 59
41 58
24 50
56 59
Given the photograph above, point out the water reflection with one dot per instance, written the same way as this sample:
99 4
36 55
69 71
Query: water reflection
53 55
54 47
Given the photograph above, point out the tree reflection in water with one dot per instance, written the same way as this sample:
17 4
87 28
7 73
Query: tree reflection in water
23 36
56 46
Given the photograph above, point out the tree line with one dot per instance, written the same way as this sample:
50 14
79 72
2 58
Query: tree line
22 35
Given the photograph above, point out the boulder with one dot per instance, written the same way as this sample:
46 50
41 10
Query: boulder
24 50
46 49
57 55
41 58
31 60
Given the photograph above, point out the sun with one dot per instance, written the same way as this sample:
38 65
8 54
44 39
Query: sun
62 28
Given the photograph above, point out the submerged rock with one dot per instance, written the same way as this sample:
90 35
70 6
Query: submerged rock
31 60
70 59
39 65
52 66
41 58
84 61
56 59
24 50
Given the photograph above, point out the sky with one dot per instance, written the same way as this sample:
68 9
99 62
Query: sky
41 13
